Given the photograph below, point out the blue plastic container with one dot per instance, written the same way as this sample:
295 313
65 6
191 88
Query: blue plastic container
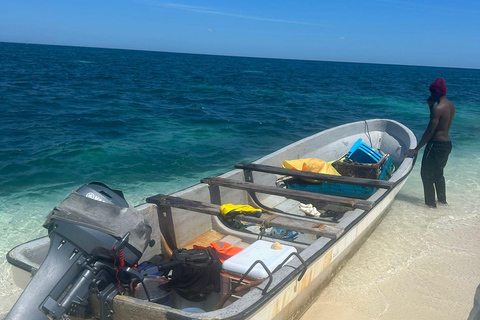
363 153
387 169
334 189
342 189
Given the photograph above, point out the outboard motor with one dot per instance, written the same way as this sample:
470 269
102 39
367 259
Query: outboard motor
95 236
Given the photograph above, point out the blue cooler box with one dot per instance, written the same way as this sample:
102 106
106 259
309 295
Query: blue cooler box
363 153
342 189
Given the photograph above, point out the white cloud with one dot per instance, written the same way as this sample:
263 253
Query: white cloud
221 13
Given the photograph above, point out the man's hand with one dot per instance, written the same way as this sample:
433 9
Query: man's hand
411 152
430 102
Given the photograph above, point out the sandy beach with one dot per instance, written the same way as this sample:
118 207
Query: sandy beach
420 263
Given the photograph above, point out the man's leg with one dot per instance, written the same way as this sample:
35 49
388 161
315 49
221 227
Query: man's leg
427 173
475 312
441 151
441 190
429 193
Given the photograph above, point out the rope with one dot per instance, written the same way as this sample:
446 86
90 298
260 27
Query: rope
265 224
367 133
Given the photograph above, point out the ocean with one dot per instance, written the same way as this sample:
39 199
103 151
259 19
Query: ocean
155 122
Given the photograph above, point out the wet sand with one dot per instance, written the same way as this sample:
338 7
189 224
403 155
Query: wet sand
420 263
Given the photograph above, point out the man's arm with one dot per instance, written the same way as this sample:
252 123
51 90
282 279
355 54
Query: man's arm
435 115
432 125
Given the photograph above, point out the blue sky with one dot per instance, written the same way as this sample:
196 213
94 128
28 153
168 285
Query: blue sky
429 33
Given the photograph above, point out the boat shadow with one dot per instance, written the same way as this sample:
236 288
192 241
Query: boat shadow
409 199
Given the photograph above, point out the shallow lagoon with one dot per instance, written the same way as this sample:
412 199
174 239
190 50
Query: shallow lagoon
150 122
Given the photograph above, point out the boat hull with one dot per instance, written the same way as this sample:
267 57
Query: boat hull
287 297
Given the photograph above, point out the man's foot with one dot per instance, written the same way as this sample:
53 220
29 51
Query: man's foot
443 203
433 206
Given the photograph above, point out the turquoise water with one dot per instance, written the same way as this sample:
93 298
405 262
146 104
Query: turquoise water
152 122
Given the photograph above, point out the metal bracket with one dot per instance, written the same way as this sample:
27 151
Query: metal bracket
287 258
215 195
250 269
248 175
270 277
106 301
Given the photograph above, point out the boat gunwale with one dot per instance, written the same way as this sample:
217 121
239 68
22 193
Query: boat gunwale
293 274
402 172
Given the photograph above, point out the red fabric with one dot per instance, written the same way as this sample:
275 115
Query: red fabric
225 250
438 87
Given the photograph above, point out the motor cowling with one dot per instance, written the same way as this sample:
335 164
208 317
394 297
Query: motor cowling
90 231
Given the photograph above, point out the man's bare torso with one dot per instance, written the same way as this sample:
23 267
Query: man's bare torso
446 111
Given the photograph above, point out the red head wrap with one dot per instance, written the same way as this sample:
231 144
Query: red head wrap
438 87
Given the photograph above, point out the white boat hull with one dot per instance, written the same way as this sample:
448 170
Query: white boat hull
287 297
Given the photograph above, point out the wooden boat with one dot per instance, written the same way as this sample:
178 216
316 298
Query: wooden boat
191 216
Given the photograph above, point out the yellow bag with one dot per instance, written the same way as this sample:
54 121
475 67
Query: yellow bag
310 165
231 210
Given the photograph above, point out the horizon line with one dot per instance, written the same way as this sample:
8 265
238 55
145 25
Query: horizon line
239 56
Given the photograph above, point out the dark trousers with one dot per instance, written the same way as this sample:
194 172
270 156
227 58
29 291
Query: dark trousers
475 313
434 160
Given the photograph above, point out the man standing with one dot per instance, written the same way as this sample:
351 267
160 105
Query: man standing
438 143
475 313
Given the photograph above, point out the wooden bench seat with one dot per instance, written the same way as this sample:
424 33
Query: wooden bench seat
316 176
303 196
309 227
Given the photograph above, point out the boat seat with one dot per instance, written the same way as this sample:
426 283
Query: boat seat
309 227
316 176
205 239
289 193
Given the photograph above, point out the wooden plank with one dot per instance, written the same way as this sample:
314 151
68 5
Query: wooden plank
205 239
186 204
299 195
316 176
309 227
